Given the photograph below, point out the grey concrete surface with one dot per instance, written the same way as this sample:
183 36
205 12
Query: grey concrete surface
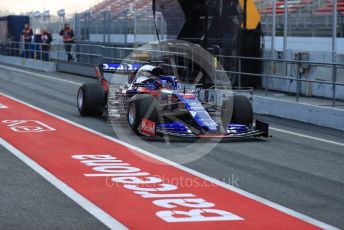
303 174
75 68
28 201
29 63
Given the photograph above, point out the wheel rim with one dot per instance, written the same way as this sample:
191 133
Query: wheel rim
80 99
131 114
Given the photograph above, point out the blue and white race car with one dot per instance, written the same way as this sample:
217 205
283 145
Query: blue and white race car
155 104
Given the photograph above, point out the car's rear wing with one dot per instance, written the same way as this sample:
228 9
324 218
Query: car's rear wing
113 68
122 68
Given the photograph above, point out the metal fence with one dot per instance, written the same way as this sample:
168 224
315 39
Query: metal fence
314 18
303 18
87 54
267 75
90 54
304 25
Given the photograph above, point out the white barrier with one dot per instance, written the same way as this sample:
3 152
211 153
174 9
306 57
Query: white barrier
331 117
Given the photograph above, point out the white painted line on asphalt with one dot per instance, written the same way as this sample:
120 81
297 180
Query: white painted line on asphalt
191 171
41 75
102 216
307 136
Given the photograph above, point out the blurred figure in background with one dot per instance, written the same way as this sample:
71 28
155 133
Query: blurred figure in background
27 37
46 41
68 38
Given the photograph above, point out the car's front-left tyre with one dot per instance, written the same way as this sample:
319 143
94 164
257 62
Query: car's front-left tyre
91 100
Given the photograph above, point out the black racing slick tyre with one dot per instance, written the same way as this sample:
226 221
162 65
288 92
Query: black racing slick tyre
141 106
91 100
238 111
226 112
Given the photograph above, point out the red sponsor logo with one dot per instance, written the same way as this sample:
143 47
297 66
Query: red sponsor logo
188 96
148 127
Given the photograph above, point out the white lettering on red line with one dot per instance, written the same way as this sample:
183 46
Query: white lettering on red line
131 177
27 126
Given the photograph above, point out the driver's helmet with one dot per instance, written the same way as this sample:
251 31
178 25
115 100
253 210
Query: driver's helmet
149 71
157 71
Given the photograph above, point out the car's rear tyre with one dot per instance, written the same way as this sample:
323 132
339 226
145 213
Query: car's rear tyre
238 111
91 100
141 106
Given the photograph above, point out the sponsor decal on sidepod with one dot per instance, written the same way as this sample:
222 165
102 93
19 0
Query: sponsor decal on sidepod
148 127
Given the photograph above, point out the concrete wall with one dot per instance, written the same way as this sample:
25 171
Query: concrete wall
75 68
319 115
29 63
310 44
319 73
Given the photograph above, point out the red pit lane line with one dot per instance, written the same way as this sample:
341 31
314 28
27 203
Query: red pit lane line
135 189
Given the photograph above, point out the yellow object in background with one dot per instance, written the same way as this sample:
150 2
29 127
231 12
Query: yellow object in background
252 15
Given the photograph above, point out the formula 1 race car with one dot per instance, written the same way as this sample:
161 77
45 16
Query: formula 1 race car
155 104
